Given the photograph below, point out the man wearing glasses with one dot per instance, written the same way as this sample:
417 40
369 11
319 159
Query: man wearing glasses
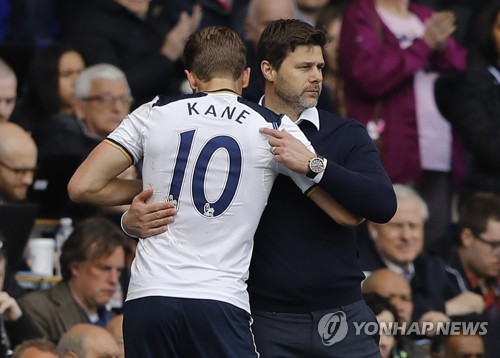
478 254
18 157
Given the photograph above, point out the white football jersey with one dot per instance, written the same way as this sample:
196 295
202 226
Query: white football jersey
205 153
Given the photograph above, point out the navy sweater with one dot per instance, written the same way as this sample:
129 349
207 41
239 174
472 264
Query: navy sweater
303 260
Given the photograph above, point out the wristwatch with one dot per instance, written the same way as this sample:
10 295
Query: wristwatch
316 166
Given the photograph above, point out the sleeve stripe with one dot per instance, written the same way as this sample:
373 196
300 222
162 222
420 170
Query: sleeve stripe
120 148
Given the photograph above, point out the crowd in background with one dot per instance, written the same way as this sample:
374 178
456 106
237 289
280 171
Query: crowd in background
422 76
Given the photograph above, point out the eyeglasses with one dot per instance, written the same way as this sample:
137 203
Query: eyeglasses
19 172
108 100
494 245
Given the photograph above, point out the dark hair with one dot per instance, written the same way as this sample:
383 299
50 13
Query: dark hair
41 344
215 51
40 100
93 238
281 37
477 210
485 42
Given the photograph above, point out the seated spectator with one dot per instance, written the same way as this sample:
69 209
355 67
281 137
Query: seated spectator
397 291
18 326
92 259
36 348
88 341
18 157
8 91
398 245
120 32
463 344
49 88
102 100
477 258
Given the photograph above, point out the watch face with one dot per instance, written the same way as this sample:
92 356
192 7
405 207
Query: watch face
316 165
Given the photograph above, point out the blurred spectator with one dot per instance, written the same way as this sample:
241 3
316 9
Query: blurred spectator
36 348
259 14
120 32
49 88
18 157
309 10
102 100
474 108
92 260
330 18
390 54
397 291
8 91
17 325
88 341
398 245
386 317
477 258
464 344
394 287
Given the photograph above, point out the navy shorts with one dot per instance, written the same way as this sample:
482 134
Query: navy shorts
183 327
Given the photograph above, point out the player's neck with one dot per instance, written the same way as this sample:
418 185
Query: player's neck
220 85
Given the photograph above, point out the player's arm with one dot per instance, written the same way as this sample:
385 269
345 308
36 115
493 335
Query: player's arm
293 154
95 181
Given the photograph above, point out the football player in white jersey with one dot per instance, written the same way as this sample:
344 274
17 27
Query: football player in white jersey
205 154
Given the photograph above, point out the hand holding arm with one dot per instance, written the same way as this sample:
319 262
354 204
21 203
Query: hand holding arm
145 220
292 153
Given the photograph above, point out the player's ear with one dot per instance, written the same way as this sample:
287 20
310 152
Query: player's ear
267 70
192 80
246 77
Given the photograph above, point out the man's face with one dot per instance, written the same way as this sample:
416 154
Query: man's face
107 104
398 292
484 259
95 280
298 81
401 240
32 352
16 173
8 88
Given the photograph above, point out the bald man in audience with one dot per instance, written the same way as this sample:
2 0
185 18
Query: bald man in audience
88 341
8 91
18 157
36 348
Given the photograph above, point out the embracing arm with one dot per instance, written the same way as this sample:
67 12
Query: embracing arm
96 182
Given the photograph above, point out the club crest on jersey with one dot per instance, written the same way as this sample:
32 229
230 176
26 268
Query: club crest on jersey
208 211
